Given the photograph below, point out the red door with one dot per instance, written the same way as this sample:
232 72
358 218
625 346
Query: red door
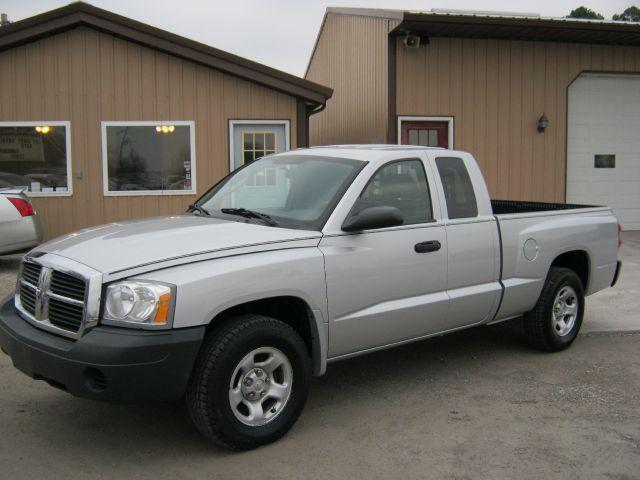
425 133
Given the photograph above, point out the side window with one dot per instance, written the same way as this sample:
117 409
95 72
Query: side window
458 189
402 185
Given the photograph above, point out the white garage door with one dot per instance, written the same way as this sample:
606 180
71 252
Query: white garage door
603 150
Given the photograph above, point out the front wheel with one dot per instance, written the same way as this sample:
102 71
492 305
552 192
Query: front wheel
250 383
554 322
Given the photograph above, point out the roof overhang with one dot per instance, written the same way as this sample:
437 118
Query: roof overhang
503 26
81 14
518 28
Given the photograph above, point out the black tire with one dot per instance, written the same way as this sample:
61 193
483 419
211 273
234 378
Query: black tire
207 395
538 323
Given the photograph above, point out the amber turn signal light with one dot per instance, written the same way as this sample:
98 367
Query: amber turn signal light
162 313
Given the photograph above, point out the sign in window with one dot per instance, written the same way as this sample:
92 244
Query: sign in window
35 156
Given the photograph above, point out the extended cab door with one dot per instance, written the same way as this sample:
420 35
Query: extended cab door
387 285
473 253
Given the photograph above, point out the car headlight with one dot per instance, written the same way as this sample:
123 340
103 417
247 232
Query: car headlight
139 304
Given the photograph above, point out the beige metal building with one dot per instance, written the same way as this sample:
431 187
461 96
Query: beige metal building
104 118
549 107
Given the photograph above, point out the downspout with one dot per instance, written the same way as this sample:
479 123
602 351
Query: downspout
305 110
392 136
313 111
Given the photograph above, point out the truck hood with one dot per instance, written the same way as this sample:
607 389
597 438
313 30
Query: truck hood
133 244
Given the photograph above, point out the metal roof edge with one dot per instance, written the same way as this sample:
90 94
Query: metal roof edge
82 14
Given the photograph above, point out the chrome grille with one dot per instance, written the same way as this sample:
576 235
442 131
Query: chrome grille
31 273
28 298
58 295
67 285
65 315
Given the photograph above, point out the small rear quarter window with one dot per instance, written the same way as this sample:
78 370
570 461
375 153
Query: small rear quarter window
458 189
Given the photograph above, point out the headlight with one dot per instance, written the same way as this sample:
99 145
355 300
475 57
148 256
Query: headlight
137 303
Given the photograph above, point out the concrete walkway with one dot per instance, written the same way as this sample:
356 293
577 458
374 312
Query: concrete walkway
617 309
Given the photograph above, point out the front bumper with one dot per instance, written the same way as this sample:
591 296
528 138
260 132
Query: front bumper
107 363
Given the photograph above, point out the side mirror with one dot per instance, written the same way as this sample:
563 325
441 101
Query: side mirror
373 217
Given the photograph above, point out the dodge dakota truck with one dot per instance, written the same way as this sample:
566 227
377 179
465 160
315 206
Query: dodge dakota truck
289 263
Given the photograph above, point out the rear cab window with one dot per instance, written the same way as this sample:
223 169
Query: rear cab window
458 188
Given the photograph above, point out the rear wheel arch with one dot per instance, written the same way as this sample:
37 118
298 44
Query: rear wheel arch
551 310
576 260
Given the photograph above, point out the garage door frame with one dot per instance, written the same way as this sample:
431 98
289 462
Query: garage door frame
566 133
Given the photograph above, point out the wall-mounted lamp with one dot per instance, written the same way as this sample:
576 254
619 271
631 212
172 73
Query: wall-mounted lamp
543 123
44 129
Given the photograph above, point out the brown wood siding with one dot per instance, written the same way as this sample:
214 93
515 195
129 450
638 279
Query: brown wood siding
496 90
86 77
351 58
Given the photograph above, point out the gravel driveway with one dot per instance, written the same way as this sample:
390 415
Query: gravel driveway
8 268
476 404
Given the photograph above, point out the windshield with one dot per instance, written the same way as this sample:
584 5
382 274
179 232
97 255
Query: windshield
296 191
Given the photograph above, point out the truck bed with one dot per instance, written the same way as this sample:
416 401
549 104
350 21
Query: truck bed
504 207
534 234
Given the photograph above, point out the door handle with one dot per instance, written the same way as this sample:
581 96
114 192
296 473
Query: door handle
430 246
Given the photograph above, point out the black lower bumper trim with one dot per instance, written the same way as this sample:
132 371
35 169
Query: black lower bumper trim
107 363
617 274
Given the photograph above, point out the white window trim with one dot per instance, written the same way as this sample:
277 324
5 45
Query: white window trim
257 122
53 123
408 118
138 193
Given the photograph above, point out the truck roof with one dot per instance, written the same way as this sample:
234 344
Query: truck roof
365 152
379 146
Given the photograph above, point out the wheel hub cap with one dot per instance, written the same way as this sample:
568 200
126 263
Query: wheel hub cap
260 386
565 311
254 384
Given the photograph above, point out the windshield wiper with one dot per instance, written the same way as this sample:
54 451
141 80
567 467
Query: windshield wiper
197 208
243 212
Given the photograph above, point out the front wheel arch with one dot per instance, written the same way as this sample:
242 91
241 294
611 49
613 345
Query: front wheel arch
209 396
295 312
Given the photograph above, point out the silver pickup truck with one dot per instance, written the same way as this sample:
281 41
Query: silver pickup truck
293 261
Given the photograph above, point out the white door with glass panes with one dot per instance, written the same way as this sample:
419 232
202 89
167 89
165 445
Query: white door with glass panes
252 140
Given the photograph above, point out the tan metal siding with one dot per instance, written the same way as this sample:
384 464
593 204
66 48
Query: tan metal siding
351 58
497 90
87 77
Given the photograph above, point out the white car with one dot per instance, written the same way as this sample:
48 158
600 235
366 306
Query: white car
20 227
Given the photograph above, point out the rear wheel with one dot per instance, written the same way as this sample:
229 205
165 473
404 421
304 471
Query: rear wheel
555 321
250 383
